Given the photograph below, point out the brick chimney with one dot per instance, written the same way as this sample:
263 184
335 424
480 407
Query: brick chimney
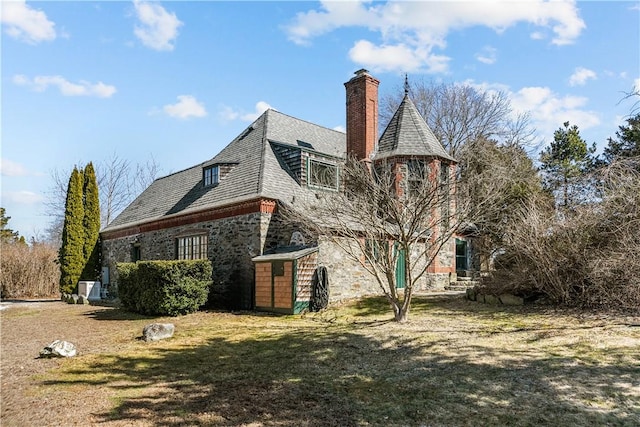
362 114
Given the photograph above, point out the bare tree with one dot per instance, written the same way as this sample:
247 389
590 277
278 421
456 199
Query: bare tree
484 159
586 261
375 218
119 182
460 113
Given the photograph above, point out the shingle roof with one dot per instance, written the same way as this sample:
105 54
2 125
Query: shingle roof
256 171
407 134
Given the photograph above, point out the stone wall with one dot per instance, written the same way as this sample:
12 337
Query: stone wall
348 279
232 243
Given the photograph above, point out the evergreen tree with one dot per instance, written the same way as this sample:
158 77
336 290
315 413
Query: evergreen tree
91 224
7 235
71 254
562 164
627 143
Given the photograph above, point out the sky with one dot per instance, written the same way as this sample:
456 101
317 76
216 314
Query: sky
177 81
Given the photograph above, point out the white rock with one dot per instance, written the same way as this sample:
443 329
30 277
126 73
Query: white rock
59 348
157 331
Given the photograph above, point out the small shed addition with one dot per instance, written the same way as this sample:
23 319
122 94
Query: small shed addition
284 280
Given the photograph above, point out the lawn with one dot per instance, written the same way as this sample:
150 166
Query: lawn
456 363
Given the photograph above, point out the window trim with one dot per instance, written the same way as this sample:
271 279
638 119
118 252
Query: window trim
211 176
193 246
310 162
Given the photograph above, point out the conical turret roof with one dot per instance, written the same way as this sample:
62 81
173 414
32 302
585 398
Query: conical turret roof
407 134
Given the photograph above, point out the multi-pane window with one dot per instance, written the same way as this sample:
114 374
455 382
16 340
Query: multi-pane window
416 176
211 175
375 250
192 247
445 189
322 175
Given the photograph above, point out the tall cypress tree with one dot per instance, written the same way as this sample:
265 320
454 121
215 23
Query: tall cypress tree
71 254
91 224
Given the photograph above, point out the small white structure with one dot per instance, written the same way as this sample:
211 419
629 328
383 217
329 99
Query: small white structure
90 290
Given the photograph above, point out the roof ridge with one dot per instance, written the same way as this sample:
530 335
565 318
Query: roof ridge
263 139
306 121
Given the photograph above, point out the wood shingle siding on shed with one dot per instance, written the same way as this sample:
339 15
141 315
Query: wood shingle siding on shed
263 284
305 268
283 287
284 279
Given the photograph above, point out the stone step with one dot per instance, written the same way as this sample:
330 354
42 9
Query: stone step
461 285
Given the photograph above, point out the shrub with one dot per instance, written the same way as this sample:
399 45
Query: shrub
128 289
29 271
164 287
584 258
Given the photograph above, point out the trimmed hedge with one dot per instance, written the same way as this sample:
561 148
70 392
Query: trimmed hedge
165 288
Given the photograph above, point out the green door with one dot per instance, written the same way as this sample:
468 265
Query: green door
461 255
401 272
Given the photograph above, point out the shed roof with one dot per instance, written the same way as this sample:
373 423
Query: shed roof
286 253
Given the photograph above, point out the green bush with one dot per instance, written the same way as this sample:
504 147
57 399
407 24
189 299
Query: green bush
128 289
166 288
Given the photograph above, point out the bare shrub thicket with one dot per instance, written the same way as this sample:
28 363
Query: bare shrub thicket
29 271
585 258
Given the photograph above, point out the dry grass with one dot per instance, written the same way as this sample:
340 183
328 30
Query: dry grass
456 363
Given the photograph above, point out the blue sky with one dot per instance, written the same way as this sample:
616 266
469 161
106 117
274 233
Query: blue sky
82 81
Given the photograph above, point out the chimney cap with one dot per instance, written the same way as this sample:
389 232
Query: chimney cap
361 72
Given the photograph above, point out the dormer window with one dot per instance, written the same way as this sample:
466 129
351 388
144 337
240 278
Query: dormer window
322 175
211 175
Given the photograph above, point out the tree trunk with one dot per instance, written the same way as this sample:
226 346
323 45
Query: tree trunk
401 314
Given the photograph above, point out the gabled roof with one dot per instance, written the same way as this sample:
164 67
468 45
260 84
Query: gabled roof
407 134
255 171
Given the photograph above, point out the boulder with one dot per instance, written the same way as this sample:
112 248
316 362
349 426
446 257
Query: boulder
491 299
59 348
471 294
157 331
508 299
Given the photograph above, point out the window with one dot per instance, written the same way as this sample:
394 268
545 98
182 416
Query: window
416 176
322 175
192 247
136 254
211 175
446 190
375 250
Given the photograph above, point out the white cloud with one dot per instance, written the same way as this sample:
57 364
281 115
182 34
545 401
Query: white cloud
488 55
261 107
25 23
23 197
157 28
83 88
9 168
549 110
581 75
228 114
340 128
636 85
186 107
413 30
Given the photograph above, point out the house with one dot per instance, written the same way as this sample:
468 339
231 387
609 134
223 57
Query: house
225 209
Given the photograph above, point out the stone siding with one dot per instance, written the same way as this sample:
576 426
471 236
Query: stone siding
232 243
348 279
